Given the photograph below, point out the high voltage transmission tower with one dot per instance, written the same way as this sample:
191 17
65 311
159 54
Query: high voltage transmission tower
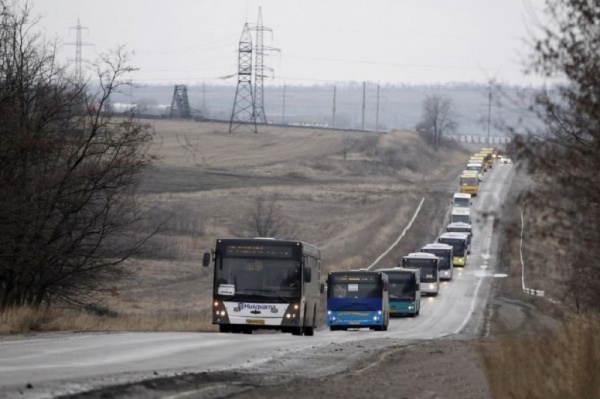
78 44
243 112
260 69
248 106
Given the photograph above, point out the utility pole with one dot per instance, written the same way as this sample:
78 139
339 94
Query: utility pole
362 125
333 118
489 114
283 107
377 111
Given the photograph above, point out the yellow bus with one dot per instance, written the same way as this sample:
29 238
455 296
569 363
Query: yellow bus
478 158
469 182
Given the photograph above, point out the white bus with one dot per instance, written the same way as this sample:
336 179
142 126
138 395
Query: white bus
460 215
461 200
446 254
430 270
262 283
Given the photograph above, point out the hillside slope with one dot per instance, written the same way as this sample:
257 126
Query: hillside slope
350 193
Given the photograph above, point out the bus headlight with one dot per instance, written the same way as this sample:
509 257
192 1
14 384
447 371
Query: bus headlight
379 312
216 304
431 286
375 318
411 307
296 306
329 312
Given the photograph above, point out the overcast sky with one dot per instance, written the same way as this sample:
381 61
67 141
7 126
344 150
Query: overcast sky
385 41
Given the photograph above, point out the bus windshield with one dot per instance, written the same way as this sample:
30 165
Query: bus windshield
272 278
443 255
354 290
429 268
468 181
402 285
462 202
458 245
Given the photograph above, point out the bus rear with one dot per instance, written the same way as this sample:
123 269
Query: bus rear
428 264
265 284
446 255
357 299
404 291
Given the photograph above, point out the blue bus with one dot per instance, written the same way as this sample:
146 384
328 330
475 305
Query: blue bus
404 291
357 299
430 271
262 283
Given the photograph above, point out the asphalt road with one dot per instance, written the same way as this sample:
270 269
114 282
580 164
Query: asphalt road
54 364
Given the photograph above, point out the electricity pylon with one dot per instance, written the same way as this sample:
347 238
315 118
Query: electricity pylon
78 44
243 112
260 69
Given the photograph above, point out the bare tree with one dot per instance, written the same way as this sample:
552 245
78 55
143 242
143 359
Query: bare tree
265 219
437 119
563 155
68 173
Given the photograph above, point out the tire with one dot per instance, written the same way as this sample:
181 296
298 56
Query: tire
310 331
224 328
298 331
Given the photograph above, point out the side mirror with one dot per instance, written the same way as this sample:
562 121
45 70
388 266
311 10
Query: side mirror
307 274
206 259
322 288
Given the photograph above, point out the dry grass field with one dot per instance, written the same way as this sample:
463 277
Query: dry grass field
349 193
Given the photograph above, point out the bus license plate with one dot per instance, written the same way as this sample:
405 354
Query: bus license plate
255 321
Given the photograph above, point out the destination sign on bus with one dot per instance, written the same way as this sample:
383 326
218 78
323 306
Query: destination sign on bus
354 278
255 250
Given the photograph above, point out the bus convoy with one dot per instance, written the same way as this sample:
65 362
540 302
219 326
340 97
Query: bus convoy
266 283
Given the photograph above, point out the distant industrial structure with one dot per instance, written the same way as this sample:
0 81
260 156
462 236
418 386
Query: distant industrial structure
180 106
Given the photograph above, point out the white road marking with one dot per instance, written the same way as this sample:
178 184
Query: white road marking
401 235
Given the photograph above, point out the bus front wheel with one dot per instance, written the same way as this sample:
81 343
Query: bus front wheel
298 331
224 328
